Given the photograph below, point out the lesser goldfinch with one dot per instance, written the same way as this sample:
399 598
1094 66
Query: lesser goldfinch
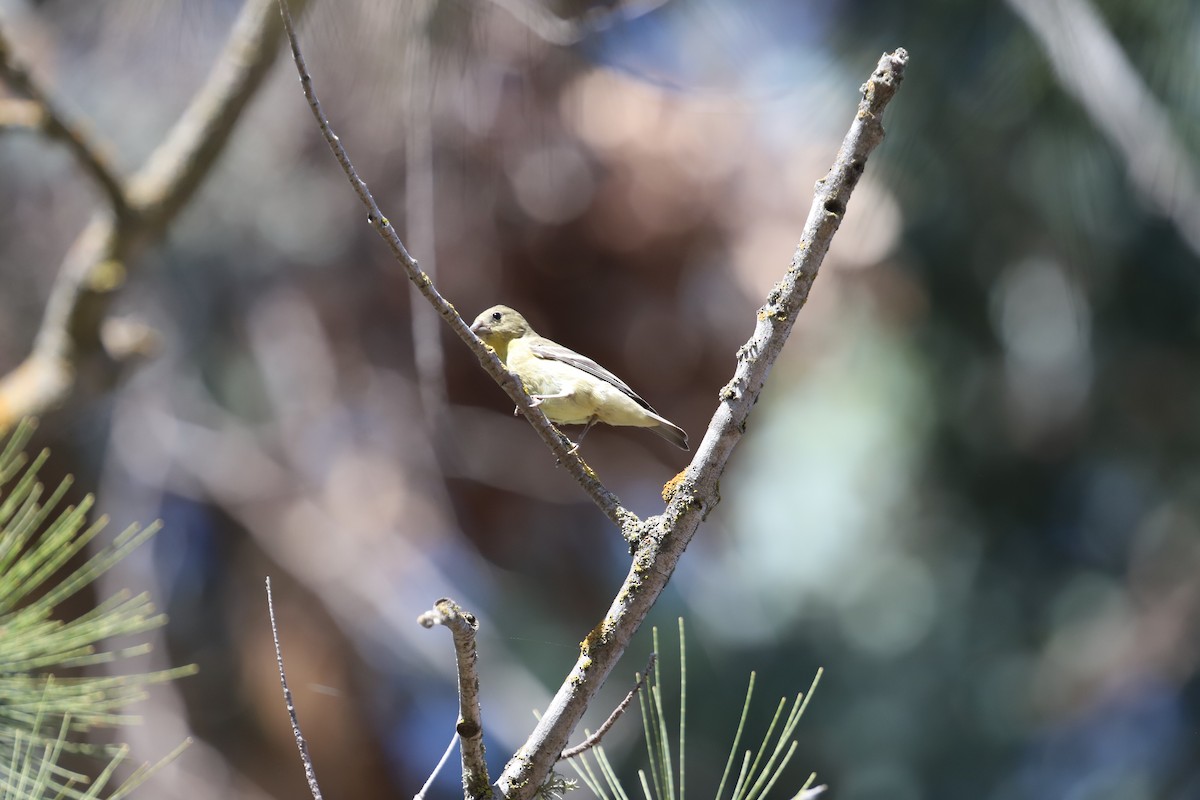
571 389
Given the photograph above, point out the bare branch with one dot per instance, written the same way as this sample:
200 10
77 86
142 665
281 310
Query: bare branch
463 626
176 168
58 125
694 493
595 738
21 115
98 262
310 774
626 520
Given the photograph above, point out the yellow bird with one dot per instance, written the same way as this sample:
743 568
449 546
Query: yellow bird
571 389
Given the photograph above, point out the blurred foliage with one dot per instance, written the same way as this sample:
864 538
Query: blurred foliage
969 492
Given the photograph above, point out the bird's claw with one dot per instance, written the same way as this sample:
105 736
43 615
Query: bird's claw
534 402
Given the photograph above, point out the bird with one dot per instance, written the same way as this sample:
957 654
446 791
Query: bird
571 389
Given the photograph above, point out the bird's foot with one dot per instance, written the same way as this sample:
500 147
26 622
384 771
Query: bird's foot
535 400
572 448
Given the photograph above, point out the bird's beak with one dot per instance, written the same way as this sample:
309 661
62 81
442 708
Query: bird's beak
480 328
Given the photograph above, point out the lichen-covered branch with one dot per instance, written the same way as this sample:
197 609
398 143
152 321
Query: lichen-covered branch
694 493
463 627
626 520
70 340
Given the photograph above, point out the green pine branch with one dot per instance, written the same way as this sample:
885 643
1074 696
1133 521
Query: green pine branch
758 772
45 713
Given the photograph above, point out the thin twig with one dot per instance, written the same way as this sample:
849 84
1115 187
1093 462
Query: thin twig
437 770
463 627
57 124
595 738
695 493
626 520
310 774
97 264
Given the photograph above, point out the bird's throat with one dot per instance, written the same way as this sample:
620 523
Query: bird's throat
501 348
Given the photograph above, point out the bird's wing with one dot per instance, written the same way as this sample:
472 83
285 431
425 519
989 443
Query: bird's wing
544 348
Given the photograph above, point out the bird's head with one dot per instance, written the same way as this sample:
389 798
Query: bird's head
498 326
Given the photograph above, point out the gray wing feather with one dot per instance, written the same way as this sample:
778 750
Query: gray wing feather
544 348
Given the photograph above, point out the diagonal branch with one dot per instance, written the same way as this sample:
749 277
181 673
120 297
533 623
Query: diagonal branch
626 520
694 494
52 120
177 167
96 266
463 627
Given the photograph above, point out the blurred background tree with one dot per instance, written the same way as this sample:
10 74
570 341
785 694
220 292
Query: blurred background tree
969 491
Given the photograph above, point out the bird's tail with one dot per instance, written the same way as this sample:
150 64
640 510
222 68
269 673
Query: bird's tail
672 433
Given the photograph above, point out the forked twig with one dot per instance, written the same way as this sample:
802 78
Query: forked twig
103 254
595 738
659 541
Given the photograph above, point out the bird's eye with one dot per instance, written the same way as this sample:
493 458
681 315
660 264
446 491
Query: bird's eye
495 316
